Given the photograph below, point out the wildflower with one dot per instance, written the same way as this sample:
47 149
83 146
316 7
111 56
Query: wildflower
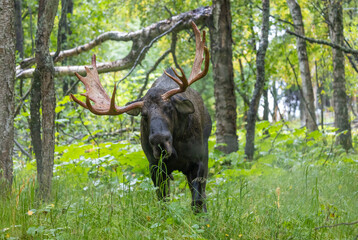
208 225
240 235
226 235
30 213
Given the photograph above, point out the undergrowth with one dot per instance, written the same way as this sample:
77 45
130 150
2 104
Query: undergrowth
299 187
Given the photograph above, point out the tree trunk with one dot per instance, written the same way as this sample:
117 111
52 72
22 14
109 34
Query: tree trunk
266 106
275 101
67 8
35 118
244 91
45 71
223 74
7 77
260 82
18 29
341 117
310 112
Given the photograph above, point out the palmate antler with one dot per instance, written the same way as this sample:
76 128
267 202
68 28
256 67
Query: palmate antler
196 72
104 105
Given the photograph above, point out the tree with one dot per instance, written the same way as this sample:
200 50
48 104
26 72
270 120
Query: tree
307 91
44 76
7 77
18 29
341 116
260 82
223 74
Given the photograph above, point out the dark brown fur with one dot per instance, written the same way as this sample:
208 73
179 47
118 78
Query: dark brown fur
179 128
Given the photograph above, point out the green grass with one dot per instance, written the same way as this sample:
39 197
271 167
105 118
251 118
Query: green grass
241 207
284 194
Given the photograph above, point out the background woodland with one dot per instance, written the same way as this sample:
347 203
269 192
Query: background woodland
281 91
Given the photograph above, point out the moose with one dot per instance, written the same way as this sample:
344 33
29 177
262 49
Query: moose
175 124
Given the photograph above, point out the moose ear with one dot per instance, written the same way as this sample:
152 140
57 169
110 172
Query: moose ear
135 111
183 105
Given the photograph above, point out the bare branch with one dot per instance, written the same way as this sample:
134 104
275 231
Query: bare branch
140 39
333 45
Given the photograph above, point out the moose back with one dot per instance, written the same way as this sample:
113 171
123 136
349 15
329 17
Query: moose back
175 124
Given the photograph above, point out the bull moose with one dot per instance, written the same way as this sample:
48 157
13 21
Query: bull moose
175 124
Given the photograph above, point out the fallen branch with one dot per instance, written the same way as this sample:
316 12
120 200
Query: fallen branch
336 225
140 39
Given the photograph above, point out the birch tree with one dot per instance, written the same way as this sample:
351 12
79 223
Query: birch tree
307 90
223 74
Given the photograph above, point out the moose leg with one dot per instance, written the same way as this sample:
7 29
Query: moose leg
160 178
197 183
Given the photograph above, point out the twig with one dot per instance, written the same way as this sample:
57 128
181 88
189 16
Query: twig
73 85
89 132
22 149
150 71
17 110
336 225
170 13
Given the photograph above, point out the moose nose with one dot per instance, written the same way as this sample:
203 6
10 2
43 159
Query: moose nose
159 138
160 142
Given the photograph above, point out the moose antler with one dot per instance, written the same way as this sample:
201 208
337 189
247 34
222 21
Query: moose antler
104 105
196 72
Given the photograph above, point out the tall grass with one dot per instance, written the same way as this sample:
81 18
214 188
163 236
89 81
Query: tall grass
289 205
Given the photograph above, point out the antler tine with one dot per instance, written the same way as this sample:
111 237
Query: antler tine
104 105
196 72
181 80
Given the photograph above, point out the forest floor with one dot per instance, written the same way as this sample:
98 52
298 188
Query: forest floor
299 187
